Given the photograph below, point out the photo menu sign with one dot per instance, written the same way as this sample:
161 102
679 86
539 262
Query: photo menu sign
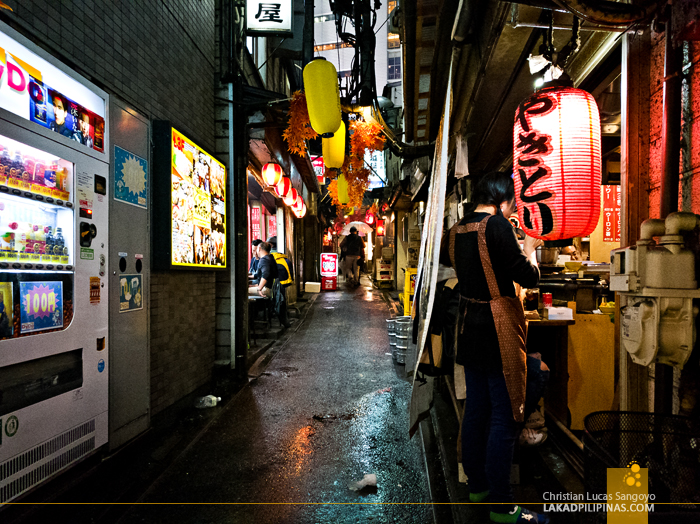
34 89
197 205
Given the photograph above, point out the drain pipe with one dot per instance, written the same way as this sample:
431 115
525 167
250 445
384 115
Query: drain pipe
670 153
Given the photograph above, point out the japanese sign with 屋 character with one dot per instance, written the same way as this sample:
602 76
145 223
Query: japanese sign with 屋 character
269 17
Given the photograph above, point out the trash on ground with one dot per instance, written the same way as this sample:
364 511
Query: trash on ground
369 480
385 390
207 402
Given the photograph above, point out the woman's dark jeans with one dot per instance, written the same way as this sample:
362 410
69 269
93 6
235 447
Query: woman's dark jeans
489 430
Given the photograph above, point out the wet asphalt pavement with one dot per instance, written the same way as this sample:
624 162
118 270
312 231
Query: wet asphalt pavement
330 407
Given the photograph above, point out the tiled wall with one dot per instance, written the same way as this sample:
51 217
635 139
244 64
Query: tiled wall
182 334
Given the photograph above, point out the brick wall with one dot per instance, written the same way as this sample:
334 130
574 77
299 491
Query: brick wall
689 194
182 334
159 57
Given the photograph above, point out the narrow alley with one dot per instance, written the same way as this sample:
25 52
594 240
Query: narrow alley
322 408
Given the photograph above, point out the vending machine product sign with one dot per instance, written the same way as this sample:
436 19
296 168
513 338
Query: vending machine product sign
329 264
35 89
198 206
42 306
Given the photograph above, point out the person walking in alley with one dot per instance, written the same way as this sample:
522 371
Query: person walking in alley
354 249
486 255
286 278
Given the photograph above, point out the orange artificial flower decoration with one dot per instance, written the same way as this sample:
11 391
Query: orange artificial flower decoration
299 128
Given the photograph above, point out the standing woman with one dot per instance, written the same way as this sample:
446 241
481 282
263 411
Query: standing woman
486 255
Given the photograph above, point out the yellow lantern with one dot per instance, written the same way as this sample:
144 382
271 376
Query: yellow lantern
343 197
272 174
322 96
334 148
291 197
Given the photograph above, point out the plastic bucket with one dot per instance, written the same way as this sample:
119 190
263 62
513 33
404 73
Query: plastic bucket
402 342
403 325
391 331
400 356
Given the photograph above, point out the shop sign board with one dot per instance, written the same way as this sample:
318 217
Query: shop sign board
198 206
34 89
611 213
42 306
329 264
255 223
271 226
269 17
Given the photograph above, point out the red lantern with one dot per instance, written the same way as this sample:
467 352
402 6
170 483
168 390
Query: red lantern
291 197
272 174
300 211
298 203
556 163
380 228
283 187
369 218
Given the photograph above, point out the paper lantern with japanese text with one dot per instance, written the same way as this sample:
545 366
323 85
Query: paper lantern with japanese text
334 148
322 96
272 173
557 164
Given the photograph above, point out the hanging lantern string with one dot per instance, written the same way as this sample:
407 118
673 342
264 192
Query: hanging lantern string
572 47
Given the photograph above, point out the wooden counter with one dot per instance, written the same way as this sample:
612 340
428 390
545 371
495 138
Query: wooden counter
581 356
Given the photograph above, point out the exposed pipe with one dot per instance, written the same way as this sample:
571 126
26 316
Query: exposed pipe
677 222
650 228
603 12
671 125
670 152
537 25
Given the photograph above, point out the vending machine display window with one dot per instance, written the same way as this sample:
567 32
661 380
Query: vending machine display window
36 240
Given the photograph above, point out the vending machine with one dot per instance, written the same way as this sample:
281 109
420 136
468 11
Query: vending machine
53 267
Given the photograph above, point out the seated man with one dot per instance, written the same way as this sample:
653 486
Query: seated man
255 259
266 274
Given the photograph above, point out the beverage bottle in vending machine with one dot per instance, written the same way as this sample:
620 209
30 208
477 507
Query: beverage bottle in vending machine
49 242
5 161
39 170
17 166
59 242
29 165
50 176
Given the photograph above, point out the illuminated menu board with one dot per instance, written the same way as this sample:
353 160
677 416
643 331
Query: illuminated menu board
197 204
